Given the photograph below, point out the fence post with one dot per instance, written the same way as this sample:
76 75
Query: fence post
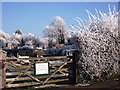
119 69
73 68
2 69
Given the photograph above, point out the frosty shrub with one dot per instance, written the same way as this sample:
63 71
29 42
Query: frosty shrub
3 37
99 42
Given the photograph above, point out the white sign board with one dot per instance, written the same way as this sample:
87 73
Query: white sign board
41 68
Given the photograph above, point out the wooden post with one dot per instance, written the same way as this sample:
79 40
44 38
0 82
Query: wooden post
73 68
119 69
2 69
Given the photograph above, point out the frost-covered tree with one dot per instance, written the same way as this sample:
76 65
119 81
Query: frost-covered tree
3 38
15 38
56 30
99 42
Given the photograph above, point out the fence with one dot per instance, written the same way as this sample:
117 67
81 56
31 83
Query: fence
25 71
22 72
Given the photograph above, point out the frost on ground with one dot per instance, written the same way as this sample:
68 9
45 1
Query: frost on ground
99 45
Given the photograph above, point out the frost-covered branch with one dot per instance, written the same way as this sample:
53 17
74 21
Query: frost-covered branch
99 42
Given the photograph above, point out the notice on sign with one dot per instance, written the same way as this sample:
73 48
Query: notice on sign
41 68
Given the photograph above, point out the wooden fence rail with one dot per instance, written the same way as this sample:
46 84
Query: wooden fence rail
20 72
23 72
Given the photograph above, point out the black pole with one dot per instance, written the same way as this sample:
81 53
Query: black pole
73 68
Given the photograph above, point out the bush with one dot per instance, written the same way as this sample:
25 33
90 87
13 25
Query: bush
99 45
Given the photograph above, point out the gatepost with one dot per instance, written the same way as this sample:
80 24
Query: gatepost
2 69
73 67
119 69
